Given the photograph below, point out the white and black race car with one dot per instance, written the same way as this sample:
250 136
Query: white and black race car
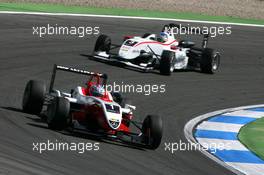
162 52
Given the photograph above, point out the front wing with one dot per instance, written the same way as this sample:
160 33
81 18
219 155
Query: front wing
132 139
115 59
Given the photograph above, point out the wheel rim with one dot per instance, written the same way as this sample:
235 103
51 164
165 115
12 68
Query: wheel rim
172 64
171 69
215 62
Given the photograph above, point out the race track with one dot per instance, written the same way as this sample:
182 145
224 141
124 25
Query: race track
188 94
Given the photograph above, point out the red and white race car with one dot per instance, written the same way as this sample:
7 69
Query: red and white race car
91 109
163 52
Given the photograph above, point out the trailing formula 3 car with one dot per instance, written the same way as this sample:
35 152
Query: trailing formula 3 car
164 53
91 109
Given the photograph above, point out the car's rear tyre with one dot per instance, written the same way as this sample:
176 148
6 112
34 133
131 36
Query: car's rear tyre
103 44
152 129
167 62
210 61
34 96
58 113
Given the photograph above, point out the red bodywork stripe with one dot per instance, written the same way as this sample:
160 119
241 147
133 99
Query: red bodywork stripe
155 42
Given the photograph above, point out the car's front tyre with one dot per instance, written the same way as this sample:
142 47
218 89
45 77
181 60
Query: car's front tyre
167 62
103 44
152 129
58 113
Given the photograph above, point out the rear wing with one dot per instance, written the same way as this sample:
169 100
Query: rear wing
73 70
169 28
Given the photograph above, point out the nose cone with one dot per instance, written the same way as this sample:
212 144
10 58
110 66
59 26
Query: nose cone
113 115
129 52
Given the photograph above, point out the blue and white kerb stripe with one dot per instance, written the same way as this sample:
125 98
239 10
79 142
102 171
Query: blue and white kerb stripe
223 130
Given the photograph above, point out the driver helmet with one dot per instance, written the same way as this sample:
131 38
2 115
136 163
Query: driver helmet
164 36
97 90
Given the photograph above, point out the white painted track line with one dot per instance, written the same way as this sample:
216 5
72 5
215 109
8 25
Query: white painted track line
132 17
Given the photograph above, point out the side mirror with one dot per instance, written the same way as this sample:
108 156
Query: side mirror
131 107
186 44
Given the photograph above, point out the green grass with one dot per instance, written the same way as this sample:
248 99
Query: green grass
56 8
252 135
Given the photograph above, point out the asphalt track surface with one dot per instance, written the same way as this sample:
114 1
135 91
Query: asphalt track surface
188 94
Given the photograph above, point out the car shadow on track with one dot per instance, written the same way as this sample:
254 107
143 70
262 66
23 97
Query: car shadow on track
120 65
13 109
39 121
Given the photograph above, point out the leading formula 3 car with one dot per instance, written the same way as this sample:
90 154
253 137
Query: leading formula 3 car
91 109
164 53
